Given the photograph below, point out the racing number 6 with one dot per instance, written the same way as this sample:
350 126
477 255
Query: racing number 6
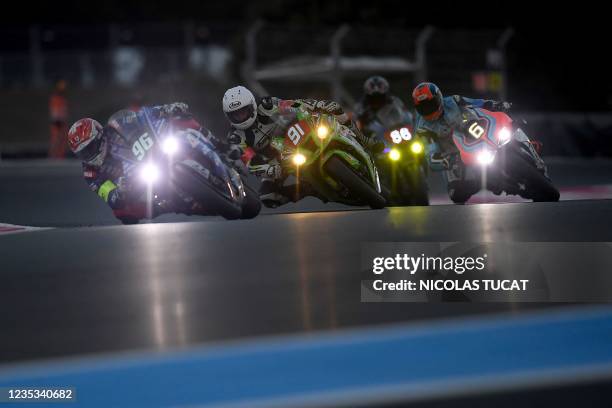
476 130
141 146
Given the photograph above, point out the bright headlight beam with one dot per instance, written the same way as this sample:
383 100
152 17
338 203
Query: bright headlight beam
417 147
299 159
485 157
170 145
394 154
504 135
149 173
322 131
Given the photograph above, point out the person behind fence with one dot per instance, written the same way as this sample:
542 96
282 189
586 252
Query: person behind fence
58 116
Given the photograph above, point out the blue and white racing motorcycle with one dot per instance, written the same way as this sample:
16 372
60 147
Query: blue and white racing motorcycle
173 168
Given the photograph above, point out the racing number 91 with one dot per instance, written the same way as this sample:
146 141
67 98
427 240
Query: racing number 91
295 133
141 146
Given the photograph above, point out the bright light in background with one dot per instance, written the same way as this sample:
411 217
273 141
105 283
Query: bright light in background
299 159
417 147
322 131
485 157
170 145
394 154
149 173
504 135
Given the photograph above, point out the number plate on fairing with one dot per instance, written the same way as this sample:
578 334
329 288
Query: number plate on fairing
296 132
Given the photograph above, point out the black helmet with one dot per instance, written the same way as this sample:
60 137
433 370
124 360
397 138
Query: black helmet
376 89
427 99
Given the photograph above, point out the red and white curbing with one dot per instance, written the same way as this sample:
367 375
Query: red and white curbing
595 192
6 229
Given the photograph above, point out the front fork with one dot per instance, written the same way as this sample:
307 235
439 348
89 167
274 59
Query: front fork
522 138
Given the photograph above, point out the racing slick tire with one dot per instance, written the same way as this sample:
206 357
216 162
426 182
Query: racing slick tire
538 186
340 171
188 180
251 205
419 188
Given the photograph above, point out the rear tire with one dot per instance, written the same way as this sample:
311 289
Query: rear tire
129 220
419 187
539 188
340 171
213 202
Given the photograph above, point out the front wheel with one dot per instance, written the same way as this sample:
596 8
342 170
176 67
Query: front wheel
538 187
341 172
188 180
251 205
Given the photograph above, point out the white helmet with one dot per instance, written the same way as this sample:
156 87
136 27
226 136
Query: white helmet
240 107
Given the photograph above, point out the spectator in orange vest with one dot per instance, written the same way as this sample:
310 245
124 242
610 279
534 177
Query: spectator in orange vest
58 115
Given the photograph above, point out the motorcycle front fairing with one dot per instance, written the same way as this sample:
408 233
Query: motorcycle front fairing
219 173
484 143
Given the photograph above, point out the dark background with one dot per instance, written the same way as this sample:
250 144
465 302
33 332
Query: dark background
557 60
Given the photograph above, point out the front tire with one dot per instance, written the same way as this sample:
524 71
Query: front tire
188 180
341 172
539 187
251 205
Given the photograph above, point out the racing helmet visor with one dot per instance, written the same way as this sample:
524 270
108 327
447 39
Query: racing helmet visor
241 115
93 149
430 107
376 100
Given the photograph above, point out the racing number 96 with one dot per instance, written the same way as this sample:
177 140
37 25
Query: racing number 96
141 146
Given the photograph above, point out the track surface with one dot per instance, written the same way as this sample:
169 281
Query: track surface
90 289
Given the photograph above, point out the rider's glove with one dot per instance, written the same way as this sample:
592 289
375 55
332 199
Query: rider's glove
274 171
176 109
501 106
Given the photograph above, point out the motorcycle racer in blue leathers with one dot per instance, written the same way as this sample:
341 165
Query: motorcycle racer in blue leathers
436 119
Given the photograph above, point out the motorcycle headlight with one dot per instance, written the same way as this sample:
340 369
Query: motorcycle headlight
149 173
485 157
504 136
405 133
170 145
394 154
322 131
417 147
299 159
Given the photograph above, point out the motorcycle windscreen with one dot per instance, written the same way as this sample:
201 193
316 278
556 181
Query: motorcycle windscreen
128 124
134 130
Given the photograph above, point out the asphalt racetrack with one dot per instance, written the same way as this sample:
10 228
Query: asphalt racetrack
88 285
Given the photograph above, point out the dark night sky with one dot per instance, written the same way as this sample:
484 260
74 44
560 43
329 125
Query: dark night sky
559 55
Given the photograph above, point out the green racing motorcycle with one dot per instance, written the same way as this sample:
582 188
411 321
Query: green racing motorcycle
318 150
